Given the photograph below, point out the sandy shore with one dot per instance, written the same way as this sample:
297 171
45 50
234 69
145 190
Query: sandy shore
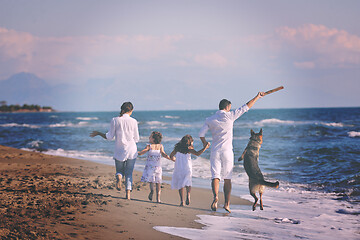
51 197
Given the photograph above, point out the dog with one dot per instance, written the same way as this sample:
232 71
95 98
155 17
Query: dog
250 156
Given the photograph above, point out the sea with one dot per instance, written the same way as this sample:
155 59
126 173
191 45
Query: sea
314 153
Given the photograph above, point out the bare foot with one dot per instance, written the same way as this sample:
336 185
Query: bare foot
254 206
227 209
128 195
214 204
150 197
118 182
187 200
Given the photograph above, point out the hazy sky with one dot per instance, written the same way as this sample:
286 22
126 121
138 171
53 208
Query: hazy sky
188 54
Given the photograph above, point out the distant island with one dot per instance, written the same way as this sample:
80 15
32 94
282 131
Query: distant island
24 108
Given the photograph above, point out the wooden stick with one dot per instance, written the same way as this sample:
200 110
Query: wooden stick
273 90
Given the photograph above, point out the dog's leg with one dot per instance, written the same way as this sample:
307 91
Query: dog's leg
261 202
255 200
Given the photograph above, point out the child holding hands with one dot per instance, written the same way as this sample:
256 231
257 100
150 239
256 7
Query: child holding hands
153 171
182 174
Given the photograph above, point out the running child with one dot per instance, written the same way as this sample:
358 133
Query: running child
182 175
153 171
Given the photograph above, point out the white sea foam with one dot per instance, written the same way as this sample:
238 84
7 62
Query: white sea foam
287 215
155 123
289 212
68 124
87 118
274 121
85 155
55 125
182 125
19 125
165 125
332 124
171 117
354 134
35 143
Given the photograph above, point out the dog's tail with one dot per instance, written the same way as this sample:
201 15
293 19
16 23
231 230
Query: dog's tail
270 184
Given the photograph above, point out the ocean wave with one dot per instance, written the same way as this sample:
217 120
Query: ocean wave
55 125
165 125
19 125
274 121
155 123
354 134
35 143
181 125
67 124
85 155
171 117
87 118
333 124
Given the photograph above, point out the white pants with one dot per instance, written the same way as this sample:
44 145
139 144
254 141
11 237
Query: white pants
222 163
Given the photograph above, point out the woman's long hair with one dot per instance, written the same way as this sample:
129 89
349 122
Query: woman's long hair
126 107
184 144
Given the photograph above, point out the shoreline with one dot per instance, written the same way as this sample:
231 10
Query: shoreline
44 196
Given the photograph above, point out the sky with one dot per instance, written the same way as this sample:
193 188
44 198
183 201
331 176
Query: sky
179 55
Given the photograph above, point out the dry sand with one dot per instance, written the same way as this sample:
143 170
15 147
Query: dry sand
51 197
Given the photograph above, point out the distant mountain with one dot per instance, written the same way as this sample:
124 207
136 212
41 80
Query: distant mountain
24 88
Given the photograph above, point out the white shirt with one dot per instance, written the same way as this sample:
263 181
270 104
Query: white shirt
221 128
126 133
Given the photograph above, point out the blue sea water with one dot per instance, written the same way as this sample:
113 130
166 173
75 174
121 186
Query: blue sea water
310 151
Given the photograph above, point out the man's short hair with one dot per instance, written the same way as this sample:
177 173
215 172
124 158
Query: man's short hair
223 104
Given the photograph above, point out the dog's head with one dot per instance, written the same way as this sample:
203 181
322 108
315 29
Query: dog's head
257 136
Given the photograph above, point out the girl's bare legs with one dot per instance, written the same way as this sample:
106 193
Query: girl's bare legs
158 192
128 194
181 194
188 190
151 191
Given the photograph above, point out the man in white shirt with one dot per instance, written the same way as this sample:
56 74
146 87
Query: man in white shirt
222 156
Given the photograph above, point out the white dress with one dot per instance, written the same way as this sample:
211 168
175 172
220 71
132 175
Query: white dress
182 171
153 171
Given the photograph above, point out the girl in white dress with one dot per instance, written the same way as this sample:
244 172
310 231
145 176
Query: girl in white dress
182 174
153 171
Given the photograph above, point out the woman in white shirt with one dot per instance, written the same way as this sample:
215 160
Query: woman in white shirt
124 129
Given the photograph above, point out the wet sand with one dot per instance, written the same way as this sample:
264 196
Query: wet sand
52 197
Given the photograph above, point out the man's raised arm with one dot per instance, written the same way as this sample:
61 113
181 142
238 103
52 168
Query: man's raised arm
257 97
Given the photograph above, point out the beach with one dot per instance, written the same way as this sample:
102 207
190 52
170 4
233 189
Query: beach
313 153
55 197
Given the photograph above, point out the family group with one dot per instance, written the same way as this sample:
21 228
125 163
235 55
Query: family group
124 129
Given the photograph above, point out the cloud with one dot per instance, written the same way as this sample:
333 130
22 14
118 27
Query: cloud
15 47
86 56
305 65
317 46
211 60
